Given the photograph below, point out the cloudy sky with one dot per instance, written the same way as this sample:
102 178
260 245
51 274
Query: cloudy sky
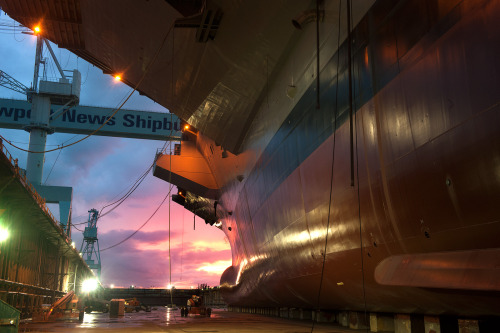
102 169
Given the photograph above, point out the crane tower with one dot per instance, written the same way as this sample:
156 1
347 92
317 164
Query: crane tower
91 248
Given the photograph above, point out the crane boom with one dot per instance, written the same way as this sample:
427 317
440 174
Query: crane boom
9 82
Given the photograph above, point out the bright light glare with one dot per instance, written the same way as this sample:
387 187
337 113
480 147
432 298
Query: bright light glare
112 285
37 29
89 285
118 78
169 286
4 234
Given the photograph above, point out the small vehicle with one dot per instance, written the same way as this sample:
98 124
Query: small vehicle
195 307
132 304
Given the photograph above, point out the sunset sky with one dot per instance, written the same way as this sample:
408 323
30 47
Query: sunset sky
102 169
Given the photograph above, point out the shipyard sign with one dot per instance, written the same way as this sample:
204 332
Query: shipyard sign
85 120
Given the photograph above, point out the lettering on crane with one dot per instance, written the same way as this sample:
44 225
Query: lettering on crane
85 120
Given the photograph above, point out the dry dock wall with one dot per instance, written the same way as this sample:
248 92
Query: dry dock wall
37 261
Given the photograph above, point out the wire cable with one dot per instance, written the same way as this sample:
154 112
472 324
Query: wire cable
361 245
331 174
52 168
118 202
170 182
138 229
132 188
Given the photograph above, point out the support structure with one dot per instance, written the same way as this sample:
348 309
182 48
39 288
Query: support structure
90 244
43 95
38 263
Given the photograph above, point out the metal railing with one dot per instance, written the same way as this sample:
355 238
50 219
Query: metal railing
21 176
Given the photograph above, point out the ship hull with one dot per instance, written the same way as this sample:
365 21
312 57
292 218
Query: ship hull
417 230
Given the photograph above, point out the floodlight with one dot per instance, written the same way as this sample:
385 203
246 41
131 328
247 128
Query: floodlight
4 234
89 285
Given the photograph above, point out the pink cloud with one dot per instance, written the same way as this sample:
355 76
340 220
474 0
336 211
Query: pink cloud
130 264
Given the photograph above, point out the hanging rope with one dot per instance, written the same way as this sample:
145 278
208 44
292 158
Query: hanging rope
359 215
317 55
170 184
331 174
349 65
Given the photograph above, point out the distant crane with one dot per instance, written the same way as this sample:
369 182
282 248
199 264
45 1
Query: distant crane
91 243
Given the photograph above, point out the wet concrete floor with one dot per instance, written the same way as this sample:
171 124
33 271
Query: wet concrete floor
167 320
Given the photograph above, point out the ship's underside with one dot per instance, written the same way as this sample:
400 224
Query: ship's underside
411 223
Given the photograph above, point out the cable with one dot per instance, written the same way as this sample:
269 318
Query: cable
332 169
115 111
182 243
74 225
359 206
170 182
53 165
132 189
86 75
137 230
124 197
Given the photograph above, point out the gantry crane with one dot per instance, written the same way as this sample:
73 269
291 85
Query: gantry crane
90 244
9 82
66 92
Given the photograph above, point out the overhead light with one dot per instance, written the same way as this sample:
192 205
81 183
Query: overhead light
37 29
118 78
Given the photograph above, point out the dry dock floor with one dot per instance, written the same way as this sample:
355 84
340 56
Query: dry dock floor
166 320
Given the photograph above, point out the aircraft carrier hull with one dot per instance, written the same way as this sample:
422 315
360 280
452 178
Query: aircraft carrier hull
417 231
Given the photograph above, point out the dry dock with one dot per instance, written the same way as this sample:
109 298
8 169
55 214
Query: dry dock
165 320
